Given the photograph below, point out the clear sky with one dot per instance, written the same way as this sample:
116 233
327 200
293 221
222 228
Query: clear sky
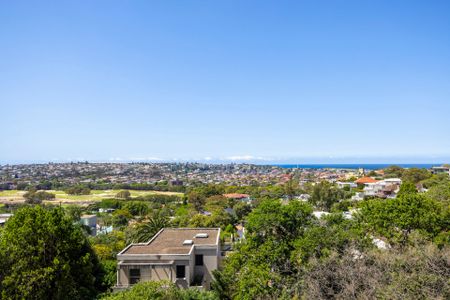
235 80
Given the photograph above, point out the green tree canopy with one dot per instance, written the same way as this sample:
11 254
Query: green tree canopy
36 197
396 218
272 219
440 193
197 200
125 194
136 208
78 190
393 172
324 195
415 175
162 290
144 231
407 188
43 255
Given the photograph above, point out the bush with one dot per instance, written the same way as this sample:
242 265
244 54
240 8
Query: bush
34 197
418 273
162 290
125 194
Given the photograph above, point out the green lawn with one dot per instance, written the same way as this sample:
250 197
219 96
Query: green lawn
13 193
94 196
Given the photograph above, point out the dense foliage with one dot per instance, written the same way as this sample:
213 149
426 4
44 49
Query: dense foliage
78 190
36 197
44 256
395 219
160 291
288 253
419 272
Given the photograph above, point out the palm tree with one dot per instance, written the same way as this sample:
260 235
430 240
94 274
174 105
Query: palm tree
144 231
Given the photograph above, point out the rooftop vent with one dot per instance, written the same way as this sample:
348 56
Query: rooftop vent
188 242
201 235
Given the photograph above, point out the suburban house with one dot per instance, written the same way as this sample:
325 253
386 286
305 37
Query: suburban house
387 188
441 170
343 184
241 197
184 256
365 180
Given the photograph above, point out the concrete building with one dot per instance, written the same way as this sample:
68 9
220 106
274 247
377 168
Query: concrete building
441 170
387 188
184 256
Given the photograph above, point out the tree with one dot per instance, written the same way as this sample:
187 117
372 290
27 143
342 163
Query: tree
137 208
393 172
78 190
125 194
121 217
161 290
440 193
436 179
371 174
31 199
416 273
216 202
261 266
272 219
43 255
324 195
36 197
415 175
397 218
242 210
332 234
197 200
407 188
74 212
219 218
144 231
291 188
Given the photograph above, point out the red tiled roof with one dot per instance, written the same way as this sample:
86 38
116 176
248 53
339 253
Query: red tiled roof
363 180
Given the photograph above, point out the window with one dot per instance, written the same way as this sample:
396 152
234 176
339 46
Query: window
181 271
135 275
199 260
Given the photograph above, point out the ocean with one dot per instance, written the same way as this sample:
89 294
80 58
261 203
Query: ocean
354 166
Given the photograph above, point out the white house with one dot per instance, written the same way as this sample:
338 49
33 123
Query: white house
387 188
342 184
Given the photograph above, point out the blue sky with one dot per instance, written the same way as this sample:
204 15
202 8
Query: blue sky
303 81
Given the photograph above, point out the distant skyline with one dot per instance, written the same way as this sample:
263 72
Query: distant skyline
232 81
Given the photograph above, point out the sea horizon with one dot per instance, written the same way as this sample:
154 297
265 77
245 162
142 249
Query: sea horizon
366 166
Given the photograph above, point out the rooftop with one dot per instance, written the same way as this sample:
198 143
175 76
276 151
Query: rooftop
236 196
171 241
87 216
365 180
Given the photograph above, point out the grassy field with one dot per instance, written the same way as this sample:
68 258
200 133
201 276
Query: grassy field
94 196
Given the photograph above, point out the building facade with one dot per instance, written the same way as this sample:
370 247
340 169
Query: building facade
184 256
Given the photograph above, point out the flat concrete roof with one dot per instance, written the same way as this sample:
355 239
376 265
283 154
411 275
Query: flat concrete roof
170 241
